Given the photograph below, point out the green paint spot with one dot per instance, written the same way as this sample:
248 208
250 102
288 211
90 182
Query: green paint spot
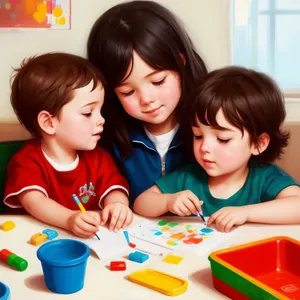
173 224
162 222
188 226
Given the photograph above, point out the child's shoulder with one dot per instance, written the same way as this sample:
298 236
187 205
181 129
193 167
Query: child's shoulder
271 173
268 170
29 150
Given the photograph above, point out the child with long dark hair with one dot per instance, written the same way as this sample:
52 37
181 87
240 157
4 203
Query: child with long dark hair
150 65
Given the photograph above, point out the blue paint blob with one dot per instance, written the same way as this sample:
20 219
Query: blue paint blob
206 230
158 233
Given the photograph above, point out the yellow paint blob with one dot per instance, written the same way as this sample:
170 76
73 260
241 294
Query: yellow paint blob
57 12
165 228
62 21
171 243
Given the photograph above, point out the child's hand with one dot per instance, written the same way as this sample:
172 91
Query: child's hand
84 224
184 203
227 217
120 216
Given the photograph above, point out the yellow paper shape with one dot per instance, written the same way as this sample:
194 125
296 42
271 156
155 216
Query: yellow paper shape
173 259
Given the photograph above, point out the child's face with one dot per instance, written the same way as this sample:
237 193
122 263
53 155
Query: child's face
80 123
222 152
150 95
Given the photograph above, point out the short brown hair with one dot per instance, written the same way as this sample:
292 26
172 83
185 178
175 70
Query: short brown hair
47 82
250 100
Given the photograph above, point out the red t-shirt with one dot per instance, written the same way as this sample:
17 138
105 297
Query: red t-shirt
94 177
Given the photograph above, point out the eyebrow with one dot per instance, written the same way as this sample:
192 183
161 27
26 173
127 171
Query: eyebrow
90 103
215 128
223 129
147 76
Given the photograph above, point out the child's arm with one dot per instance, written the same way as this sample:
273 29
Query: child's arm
152 203
284 209
116 207
53 213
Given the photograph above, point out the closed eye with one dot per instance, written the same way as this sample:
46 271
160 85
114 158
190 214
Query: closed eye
223 141
126 94
197 137
160 82
88 115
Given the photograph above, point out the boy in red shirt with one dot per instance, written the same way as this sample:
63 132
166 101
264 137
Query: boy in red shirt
58 98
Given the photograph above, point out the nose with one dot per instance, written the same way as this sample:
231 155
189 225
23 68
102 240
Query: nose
146 97
100 122
205 146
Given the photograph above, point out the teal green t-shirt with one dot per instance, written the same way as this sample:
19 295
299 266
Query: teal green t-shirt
262 184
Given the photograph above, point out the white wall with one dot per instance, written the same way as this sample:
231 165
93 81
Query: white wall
207 21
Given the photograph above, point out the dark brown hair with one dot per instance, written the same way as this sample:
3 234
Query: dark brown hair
250 101
159 39
47 82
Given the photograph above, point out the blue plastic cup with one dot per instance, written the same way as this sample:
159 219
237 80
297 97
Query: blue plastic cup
4 291
64 265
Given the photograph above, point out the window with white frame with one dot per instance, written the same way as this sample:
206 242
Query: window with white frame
266 37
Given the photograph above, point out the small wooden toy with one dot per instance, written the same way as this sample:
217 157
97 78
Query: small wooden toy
13 260
52 234
159 281
38 238
138 256
173 259
117 266
8 225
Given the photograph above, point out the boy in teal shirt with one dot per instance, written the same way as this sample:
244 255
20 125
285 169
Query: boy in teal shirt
236 117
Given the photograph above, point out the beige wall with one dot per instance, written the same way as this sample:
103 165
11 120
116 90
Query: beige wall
207 21
291 159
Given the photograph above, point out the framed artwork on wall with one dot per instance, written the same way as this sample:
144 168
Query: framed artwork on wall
35 14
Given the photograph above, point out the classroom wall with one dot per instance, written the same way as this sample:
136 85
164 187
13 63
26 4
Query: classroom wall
204 19
207 22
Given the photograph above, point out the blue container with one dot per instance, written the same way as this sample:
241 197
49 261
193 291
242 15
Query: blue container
64 265
4 291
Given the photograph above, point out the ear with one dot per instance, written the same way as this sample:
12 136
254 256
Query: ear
46 122
261 145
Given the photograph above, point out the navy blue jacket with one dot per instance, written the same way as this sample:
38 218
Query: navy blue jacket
144 165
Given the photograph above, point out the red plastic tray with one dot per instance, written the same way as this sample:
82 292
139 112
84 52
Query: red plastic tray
272 265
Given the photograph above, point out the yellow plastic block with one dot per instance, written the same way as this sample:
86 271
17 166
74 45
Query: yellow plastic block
173 259
38 239
8 225
159 281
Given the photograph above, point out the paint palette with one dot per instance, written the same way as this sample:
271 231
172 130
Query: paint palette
183 236
265 269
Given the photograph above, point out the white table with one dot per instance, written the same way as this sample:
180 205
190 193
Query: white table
100 282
